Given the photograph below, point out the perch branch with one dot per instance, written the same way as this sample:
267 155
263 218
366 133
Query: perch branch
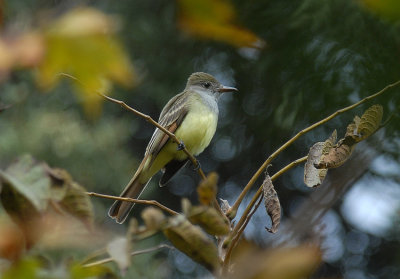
148 202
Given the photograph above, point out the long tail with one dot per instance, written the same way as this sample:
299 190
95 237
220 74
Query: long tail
120 209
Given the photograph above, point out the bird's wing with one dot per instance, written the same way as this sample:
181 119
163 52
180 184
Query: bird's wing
171 118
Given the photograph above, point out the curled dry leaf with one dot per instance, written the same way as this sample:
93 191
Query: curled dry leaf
370 121
352 128
313 176
209 219
192 241
153 218
272 204
28 190
207 189
70 196
338 155
358 130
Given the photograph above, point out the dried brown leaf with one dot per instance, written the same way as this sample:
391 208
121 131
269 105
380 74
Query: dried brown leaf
192 241
153 218
338 155
370 121
313 177
74 199
351 130
207 189
209 219
272 204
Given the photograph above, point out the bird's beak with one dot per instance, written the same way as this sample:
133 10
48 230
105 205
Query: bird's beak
224 89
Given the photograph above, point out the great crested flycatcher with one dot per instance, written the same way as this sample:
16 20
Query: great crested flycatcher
192 116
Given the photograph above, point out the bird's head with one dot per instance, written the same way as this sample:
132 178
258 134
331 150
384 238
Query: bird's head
203 82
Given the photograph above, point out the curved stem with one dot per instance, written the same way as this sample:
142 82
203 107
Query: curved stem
249 211
233 210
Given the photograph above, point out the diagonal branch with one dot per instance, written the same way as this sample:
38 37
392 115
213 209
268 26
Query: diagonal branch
155 123
146 117
233 210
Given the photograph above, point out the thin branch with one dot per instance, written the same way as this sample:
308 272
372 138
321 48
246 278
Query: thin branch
148 119
233 210
246 216
135 253
148 202
236 238
156 124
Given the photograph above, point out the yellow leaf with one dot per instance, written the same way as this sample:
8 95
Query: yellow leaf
82 43
207 189
388 9
216 20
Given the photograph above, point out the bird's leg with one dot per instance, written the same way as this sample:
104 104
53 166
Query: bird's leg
181 146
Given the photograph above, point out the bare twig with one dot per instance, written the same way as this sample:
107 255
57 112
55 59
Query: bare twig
148 119
155 123
232 212
135 253
234 236
148 202
260 190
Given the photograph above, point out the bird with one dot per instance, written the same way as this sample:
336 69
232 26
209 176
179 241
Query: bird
192 116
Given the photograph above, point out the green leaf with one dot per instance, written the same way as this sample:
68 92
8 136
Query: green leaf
26 268
29 179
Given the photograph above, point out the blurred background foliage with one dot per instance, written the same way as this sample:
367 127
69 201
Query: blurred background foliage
293 62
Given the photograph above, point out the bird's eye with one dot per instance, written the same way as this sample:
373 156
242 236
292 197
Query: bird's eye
207 84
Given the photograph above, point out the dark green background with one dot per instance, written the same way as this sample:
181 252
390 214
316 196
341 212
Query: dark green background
320 56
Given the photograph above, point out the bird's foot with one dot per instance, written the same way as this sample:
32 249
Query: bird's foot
181 146
197 167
